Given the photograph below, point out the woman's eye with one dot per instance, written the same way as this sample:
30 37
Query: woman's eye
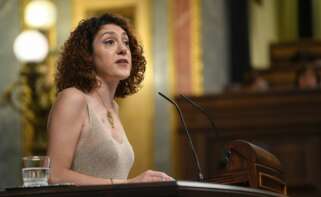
127 43
109 42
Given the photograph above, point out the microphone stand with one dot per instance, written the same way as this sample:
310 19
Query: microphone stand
226 153
207 115
195 158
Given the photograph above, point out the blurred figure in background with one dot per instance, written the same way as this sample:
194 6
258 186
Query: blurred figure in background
307 77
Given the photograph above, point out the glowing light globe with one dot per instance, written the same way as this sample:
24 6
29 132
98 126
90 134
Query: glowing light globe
40 14
31 46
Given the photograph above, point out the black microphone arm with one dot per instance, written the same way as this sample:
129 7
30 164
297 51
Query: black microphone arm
227 153
201 109
200 175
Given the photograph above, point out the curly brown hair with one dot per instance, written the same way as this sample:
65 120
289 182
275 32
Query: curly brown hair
76 68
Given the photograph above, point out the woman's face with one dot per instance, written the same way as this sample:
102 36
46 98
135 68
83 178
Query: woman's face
111 53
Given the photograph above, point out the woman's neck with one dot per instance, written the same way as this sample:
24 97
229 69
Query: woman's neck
106 91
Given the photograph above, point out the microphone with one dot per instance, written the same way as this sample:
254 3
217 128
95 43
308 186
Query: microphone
207 115
226 153
195 158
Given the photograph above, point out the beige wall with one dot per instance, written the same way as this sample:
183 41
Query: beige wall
316 6
271 21
263 31
287 13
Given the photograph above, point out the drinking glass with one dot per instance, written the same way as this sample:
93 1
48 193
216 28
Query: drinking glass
35 170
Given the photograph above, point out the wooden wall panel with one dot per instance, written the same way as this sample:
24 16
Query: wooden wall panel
286 123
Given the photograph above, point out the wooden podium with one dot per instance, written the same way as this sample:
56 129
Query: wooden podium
252 166
162 189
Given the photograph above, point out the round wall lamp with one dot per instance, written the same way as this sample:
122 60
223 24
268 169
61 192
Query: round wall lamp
40 14
31 46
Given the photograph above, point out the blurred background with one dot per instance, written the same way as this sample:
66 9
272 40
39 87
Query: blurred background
254 64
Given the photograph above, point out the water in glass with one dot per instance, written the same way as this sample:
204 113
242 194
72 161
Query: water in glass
37 176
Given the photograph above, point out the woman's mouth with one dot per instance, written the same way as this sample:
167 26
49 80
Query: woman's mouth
122 61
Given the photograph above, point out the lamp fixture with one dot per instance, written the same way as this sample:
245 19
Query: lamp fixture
40 14
31 46
32 93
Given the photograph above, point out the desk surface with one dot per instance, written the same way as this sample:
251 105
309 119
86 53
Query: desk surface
175 188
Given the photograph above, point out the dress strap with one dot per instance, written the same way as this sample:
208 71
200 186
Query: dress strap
88 108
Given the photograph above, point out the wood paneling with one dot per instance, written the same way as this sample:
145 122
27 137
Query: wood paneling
286 123
295 53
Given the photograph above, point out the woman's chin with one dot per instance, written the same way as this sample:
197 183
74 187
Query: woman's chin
123 76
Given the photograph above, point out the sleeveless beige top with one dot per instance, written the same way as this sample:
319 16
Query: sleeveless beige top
98 154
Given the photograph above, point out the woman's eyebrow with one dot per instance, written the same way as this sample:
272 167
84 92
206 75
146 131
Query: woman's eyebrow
112 33
107 33
124 35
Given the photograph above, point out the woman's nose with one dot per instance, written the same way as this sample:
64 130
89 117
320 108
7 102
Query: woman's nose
122 49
